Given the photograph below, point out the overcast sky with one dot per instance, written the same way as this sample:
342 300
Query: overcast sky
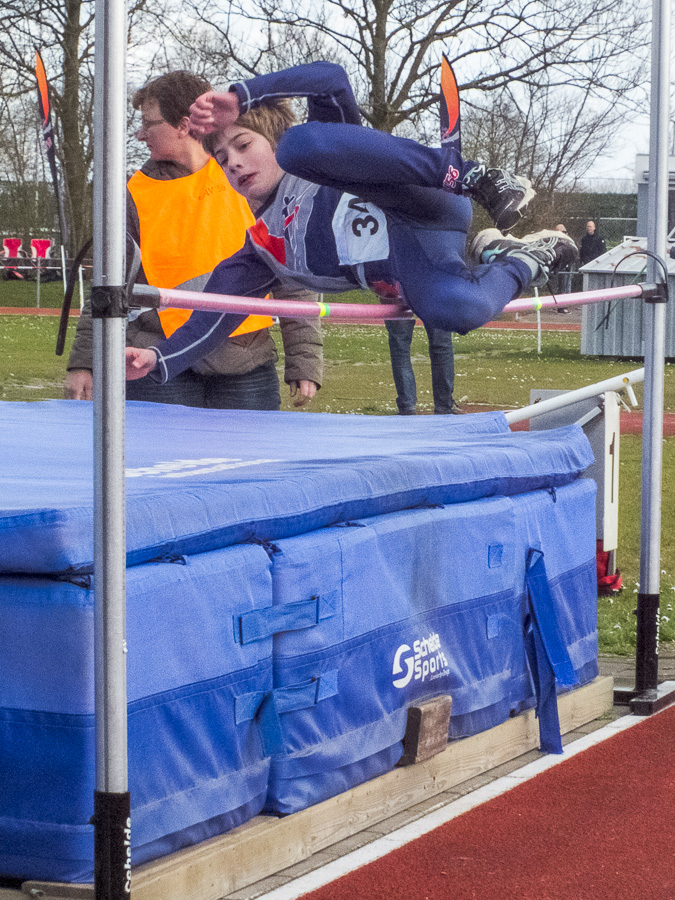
619 162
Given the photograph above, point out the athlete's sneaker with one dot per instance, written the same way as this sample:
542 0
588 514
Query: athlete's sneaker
503 195
544 251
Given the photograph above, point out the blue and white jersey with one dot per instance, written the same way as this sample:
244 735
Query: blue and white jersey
318 237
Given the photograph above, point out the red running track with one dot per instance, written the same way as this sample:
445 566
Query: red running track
599 826
631 423
33 311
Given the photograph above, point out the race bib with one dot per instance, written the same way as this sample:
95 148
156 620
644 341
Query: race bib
360 230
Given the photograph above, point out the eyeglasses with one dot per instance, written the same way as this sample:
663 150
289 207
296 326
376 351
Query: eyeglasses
150 124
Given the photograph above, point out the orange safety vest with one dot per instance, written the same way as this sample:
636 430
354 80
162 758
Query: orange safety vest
188 225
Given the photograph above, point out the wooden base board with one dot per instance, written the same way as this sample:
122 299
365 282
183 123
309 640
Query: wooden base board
266 845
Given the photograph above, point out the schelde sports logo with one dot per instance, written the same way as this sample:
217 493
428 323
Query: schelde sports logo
421 662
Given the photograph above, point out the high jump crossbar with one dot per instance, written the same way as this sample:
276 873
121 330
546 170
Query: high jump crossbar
361 313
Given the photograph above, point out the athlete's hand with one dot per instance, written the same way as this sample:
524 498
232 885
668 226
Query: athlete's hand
213 112
303 391
78 385
139 362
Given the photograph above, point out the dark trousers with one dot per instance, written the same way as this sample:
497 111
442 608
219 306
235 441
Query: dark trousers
258 389
442 366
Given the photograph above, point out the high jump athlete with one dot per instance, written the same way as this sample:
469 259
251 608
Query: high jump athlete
339 206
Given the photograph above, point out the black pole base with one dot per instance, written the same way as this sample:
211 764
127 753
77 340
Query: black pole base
112 845
646 703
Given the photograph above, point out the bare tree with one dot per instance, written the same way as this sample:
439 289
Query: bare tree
18 133
391 48
27 205
563 133
551 135
519 52
63 30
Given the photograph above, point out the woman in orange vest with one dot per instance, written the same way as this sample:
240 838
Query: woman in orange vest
186 218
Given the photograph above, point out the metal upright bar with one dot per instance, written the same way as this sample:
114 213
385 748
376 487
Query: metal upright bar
112 865
647 696
646 670
64 274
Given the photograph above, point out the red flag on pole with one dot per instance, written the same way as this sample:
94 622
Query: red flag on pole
48 136
450 121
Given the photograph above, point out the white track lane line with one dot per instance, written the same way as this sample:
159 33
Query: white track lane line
401 836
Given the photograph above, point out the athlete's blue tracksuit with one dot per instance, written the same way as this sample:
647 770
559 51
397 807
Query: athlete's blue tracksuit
357 207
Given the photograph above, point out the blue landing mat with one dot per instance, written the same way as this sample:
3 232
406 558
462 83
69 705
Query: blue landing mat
199 480
416 604
196 767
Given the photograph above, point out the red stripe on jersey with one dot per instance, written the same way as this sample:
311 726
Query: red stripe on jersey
289 219
274 245
386 291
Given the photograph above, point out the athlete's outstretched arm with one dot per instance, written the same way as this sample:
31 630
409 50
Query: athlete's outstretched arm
325 86
244 275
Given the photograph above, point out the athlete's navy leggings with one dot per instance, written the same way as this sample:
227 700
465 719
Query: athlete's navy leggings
427 225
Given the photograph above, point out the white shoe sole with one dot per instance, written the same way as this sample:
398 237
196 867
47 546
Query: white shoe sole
548 233
530 192
481 241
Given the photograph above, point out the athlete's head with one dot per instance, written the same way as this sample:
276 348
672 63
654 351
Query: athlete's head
249 162
246 149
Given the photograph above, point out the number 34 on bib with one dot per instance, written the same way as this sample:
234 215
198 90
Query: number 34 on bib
360 230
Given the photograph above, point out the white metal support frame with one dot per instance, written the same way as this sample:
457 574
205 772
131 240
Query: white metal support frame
648 697
583 407
112 820
600 419
616 383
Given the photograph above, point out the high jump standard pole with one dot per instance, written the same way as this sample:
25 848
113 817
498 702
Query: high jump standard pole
112 817
648 696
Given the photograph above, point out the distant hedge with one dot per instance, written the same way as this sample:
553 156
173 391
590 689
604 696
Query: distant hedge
597 206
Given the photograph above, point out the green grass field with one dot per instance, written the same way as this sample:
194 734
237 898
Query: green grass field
494 369
24 294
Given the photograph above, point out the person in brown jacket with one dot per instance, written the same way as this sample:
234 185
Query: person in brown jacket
186 218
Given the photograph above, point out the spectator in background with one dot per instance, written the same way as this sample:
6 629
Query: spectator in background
400 333
592 244
564 277
186 218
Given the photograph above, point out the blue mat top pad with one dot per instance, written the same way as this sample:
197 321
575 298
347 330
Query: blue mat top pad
199 480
